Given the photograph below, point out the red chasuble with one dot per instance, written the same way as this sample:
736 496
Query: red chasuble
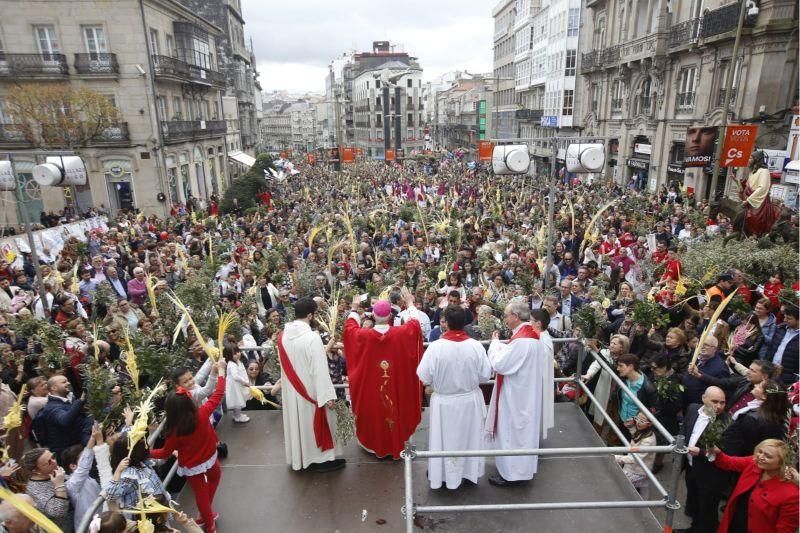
385 391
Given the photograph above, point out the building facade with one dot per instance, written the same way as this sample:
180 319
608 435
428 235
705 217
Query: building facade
653 69
463 113
237 61
505 107
156 62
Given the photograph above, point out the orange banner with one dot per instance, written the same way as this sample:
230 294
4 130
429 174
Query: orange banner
485 149
348 154
389 155
739 142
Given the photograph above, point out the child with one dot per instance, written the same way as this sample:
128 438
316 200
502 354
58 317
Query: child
189 431
81 488
237 387
132 475
643 436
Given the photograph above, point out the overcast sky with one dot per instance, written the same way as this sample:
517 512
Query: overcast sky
296 40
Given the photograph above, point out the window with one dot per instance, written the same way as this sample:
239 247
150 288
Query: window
573 22
177 111
571 63
644 101
569 102
723 80
686 88
616 96
409 82
170 41
46 40
594 96
154 48
162 106
600 33
95 39
202 54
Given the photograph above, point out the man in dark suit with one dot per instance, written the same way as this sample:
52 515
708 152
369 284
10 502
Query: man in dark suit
705 483
783 349
568 304
118 283
710 363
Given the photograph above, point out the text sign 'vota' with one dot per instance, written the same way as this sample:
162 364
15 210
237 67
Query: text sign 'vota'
739 142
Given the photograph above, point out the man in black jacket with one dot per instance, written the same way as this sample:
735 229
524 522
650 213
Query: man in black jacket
705 483
738 388
63 417
783 349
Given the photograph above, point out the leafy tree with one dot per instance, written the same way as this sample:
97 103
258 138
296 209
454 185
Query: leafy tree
246 187
59 115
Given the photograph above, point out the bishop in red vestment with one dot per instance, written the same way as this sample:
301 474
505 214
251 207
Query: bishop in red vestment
382 368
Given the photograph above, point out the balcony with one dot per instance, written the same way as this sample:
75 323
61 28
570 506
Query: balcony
189 130
533 115
731 99
610 56
684 33
616 105
115 134
33 66
590 61
181 71
684 102
12 134
722 20
97 65
639 49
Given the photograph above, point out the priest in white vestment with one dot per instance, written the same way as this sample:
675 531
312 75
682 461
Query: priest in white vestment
307 393
514 419
540 319
454 366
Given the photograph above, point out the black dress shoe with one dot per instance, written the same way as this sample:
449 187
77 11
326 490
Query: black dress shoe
328 466
500 481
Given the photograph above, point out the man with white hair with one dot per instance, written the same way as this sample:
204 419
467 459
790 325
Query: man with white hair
14 521
381 364
515 412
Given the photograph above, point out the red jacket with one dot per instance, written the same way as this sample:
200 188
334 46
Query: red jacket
198 447
773 503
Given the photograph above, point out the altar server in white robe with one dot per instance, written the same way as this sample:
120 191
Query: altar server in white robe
515 412
540 319
454 367
308 394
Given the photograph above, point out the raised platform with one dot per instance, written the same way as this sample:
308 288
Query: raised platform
259 492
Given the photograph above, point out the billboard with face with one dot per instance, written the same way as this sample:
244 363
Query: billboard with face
700 144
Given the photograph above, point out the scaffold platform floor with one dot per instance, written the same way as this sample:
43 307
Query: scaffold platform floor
259 492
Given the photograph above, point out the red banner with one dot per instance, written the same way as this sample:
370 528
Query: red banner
739 142
485 149
389 155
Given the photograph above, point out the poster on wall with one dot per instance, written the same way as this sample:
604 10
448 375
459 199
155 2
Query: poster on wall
700 144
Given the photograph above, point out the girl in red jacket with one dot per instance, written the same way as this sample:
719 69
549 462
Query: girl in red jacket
189 431
766 495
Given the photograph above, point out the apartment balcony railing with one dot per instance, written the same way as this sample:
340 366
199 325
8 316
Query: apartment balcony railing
33 66
55 135
98 64
187 130
616 105
590 61
721 20
610 56
684 33
12 134
118 133
685 102
172 68
638 49
645 105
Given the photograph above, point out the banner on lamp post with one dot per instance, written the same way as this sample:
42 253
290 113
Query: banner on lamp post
739 142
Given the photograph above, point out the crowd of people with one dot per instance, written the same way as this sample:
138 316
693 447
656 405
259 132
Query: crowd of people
453 252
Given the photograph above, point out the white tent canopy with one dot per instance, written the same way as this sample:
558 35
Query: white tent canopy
243 158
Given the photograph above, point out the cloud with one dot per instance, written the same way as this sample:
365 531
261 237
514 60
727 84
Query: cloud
295 45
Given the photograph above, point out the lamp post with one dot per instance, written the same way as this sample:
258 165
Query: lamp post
726 104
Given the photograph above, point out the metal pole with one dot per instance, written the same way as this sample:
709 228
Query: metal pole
551 206
26 219
539 506
678 453
726 102
408 455
545 452
578 374
623 439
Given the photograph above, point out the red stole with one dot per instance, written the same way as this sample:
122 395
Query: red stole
455 335
525 332
322 432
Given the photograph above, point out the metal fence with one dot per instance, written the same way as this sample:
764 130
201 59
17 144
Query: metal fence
669 501
97 504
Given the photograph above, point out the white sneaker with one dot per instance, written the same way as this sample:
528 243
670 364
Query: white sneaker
242 419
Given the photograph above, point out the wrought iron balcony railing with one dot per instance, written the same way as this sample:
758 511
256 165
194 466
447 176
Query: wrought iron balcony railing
170 67
685 101
684 33
33 66
117 133
187 130
96 64
12 134
721 20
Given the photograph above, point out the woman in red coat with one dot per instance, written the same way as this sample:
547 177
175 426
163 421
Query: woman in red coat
766 495
189 431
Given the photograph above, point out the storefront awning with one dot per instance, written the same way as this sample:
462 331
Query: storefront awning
243 158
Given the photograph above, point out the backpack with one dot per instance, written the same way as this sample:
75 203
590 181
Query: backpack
39 429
